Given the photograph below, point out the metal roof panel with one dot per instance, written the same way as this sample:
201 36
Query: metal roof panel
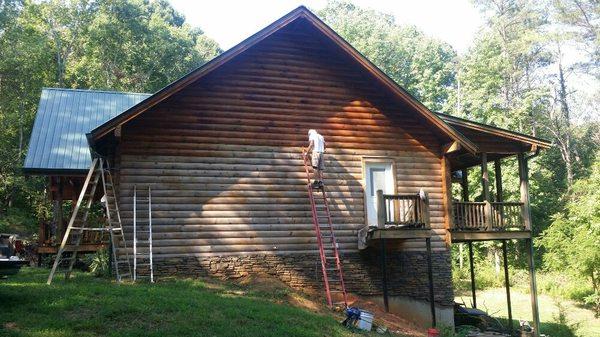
58 139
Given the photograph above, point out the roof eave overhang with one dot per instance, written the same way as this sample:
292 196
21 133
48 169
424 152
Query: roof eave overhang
41 171
533 141
300 12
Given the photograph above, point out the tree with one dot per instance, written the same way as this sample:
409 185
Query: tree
571 242
129 45
422 65
582 17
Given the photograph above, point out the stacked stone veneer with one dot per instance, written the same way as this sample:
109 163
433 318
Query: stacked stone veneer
407 271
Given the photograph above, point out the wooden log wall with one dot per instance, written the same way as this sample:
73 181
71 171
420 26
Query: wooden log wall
223 155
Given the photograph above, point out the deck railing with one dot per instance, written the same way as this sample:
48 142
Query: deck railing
403 210
489 216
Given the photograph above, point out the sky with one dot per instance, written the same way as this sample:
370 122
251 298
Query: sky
230 22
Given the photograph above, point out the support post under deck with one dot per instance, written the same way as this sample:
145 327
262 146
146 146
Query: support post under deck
472 269
384 276
430 276
507 285
533 288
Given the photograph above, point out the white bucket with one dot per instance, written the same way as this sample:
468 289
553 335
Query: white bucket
366 320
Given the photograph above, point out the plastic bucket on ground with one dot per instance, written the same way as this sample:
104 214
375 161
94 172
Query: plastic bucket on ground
433 332
366 320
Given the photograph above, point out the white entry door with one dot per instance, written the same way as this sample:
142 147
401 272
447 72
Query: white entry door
379 176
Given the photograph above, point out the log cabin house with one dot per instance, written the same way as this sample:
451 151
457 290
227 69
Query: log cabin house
221 148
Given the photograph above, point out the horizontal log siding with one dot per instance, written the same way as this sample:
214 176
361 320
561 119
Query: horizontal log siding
223 155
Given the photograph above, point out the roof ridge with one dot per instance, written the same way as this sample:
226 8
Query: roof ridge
95 90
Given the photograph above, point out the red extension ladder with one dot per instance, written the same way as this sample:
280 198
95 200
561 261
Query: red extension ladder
331 265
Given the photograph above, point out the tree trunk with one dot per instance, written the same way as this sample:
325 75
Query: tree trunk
566 149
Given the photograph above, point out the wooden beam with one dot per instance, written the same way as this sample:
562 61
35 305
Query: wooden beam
384 275
465 184
447 192
507 285
430 277
464 236
451 147
380 210
472 269
533 288
524 189
498 177
392 234
485 177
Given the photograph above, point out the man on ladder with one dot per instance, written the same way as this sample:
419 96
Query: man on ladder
316 148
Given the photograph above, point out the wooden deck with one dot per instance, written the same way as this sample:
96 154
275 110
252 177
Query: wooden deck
87 248
481 221
399 233
465 236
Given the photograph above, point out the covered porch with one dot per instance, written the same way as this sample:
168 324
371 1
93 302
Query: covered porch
493 215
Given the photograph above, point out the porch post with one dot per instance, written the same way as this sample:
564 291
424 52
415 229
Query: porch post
381 225
524 188
430 276
533 288
472 268
384 275
507 285
498 174
485 177
464 183
485 182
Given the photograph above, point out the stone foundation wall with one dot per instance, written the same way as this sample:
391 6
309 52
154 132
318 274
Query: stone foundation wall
407 271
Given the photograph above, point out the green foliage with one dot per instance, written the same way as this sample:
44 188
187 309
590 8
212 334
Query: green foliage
579 226
99 263
129 45
422 65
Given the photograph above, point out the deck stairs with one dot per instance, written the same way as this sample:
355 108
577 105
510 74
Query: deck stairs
98 181
331 265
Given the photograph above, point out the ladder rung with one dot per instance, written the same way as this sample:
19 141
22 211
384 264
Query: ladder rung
142 264
94 229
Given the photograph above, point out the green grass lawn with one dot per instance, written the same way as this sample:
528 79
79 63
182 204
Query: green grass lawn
494 302
89 306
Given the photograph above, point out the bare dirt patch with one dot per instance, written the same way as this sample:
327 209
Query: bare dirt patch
315 302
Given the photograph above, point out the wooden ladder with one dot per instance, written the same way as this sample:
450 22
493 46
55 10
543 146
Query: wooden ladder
99 173
331 265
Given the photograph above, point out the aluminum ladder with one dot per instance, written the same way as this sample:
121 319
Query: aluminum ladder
99 173
146 233
331 265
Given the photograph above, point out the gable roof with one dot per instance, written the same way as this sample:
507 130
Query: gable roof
64 116
496 131
298 13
